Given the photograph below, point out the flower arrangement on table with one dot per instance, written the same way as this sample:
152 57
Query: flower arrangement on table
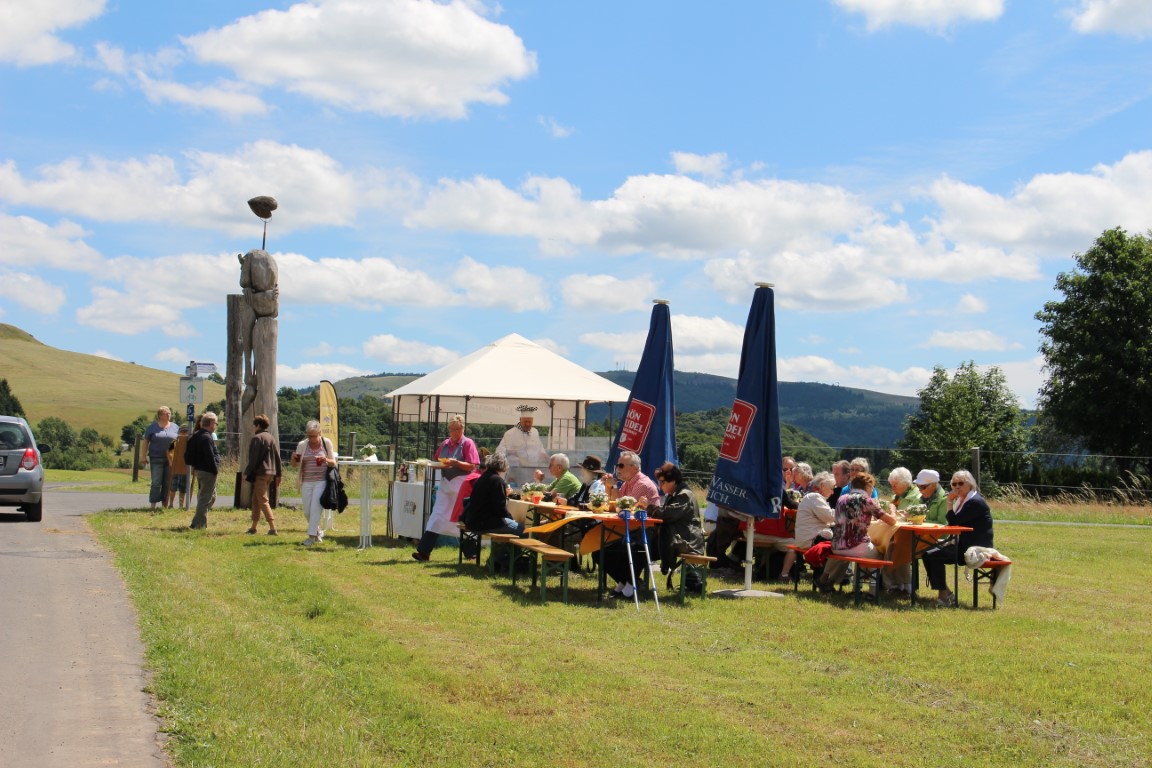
915 513
598 500
625 503
532 491
368 452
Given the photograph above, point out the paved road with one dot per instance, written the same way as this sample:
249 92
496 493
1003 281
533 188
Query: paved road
71 660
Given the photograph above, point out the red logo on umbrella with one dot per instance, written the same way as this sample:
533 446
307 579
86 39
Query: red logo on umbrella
636 425
736 433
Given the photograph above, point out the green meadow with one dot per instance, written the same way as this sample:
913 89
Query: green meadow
266 653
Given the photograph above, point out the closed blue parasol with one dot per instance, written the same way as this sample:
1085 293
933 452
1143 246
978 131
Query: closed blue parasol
748 478
649 425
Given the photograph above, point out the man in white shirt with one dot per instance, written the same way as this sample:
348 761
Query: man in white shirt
525 451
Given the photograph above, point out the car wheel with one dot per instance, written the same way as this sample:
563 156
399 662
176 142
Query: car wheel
35 511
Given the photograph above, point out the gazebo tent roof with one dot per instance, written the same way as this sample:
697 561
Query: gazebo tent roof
514 369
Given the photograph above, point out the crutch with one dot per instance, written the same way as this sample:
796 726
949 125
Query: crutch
631 568
642 516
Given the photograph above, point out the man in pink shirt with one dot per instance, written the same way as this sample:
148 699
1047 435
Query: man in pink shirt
639 486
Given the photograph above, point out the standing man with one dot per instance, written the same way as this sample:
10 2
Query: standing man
202 456
525 451
264 468
159 436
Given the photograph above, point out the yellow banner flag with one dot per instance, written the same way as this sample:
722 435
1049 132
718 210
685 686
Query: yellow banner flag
330 414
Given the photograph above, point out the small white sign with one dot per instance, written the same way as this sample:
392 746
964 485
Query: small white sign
191 390
200 369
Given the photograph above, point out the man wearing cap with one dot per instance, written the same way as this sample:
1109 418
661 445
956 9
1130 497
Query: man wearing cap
932 496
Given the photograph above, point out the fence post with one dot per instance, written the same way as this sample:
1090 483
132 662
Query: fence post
351 444
976 464
136 459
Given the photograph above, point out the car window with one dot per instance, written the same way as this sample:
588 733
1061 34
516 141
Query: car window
11 438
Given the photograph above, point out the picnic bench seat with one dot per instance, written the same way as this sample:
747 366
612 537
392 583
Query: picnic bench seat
864 567
798 567
690 563
988 572
552 560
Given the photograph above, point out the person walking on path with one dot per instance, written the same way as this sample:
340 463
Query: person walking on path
202 456
264 468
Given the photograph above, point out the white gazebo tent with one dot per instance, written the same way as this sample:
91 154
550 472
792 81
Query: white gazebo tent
495 385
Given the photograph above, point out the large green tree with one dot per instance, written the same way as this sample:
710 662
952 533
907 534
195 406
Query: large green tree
966 410
1098 350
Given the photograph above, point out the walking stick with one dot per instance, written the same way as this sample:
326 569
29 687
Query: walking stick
642 516
631 568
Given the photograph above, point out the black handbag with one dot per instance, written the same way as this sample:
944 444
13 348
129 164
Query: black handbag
334 496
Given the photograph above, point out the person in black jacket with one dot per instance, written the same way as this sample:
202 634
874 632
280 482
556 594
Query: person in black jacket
488 507
202 456
970 510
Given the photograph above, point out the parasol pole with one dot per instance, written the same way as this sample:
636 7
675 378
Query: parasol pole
749 550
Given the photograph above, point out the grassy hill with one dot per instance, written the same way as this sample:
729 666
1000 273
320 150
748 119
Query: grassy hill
86 390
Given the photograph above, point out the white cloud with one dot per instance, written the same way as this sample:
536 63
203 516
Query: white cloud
975 340
28 34
971 305
874 377
205 190
28 241
513 288
311 374
706 334
116 312
392 57
607 293
31 292
1024 378
625 347
1123 17
230 98
555 130
709 166
929 14
407 354
172 355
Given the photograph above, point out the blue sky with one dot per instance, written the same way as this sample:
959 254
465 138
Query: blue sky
910 174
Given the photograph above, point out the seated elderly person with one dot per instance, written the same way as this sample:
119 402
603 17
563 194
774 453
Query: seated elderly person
813 517
680 530
634 483
564 485
855 511
898 579
970 510
933 496
487 510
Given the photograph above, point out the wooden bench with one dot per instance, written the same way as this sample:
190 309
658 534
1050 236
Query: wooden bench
500 541
466 537
553 560
988 572
864 567
689 563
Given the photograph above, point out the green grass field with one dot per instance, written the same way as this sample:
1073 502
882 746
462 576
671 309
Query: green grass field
265 653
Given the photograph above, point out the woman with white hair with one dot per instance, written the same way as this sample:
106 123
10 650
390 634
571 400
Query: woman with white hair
904 493
970 510
458 457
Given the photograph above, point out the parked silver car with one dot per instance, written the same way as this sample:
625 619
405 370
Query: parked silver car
21 473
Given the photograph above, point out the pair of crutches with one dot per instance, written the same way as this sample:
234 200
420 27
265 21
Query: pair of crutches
642 516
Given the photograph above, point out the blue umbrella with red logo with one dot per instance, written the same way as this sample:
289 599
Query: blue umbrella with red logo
748 478
648 428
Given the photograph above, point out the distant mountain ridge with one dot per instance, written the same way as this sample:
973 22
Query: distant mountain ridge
842 417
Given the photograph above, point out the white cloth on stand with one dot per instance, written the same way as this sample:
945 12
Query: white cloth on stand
975 557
